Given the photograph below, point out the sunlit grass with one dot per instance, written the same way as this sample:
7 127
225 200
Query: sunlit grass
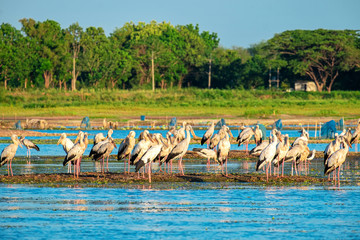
175 102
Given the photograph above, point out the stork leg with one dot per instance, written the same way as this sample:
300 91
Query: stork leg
102 167
129 164
125 165
226 160
282 174
107 164
267 174
74 169
11 168
149 166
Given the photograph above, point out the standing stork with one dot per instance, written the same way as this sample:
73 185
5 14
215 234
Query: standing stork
281 150
67 145
180 149
256 151
206 153
245 136
258 135
223 153
168 146
75 154
267 155
8 154
141 147
208 134
104 151
150 155
125 148
28 144
181 132
337 159
214 141
294 153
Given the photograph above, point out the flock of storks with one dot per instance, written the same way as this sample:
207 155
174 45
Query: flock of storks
154 147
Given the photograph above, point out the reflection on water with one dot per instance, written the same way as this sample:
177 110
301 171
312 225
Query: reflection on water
231 212
350 170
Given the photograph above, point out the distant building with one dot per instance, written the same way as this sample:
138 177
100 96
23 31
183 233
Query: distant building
307 86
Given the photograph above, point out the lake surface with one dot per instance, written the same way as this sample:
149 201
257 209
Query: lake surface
183 211
229 212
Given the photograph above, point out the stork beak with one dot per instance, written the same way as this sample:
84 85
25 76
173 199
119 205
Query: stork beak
230 133
115 145
20 144
58 142
77 139
348 143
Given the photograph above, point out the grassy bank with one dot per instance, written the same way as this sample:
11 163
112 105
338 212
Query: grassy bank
185 102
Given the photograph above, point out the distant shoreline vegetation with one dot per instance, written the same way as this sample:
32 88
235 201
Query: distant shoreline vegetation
42 55
192 102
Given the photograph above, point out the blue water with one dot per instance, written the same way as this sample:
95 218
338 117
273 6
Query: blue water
218 212
121 134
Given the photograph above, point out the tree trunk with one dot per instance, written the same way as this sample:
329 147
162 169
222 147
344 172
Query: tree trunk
209 77
73 79
25 85
47 78
152 71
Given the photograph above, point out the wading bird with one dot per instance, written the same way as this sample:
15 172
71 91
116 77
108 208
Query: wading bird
150 155
267 155
125 148
258 136
103 152
206 153
336 160
141 147
245 136
281 150
223 153
75 154
180 149
208 134
67 145
8 154
28 144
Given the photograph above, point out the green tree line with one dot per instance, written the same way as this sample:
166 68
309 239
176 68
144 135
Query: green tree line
160 55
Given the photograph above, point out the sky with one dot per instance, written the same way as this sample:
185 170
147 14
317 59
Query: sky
238 23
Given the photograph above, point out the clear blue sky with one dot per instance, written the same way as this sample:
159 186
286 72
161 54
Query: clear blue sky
237 22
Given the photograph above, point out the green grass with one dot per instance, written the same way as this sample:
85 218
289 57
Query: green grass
178 102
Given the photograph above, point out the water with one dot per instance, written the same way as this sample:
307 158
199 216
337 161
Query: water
232 212
121 134
183 211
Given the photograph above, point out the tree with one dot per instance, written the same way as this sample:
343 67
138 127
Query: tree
48 38
75 32
9 52
320 54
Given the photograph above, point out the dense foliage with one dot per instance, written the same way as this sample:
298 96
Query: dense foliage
160 55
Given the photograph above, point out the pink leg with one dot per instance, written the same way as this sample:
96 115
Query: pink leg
226 167
8 165
270 168
282 174
102 168
267 174
11 168
149 172
129 164
107 164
